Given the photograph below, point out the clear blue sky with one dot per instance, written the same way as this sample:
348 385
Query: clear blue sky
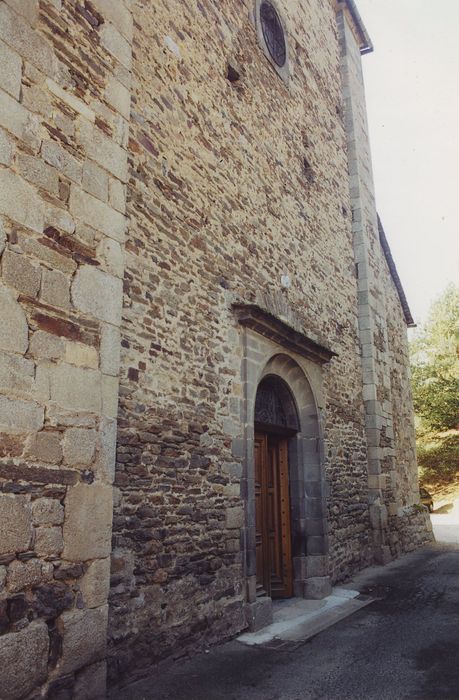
412 89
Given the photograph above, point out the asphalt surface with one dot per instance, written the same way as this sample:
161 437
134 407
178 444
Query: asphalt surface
404 645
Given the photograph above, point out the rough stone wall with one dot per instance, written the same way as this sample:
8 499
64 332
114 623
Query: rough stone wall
404 479
64 110
237 190
232 185
410 525
392 469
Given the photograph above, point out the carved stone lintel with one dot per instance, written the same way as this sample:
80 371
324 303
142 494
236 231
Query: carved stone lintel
269 326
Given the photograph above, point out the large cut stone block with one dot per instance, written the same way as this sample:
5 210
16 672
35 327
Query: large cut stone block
27 9
259 614
118 96
316 566
46 447
16 32
110 346
103 150
118 14
13 116
75 388
10 71
16 524
378 516
88 522
116 44
6 155
97 214
47 511
48 541
23 660
14 335
95 584
234 517
84 638
97 293
54 154
26 574
55 288
38 173
20 202
107 450
20 416
317 587
110 396
79 446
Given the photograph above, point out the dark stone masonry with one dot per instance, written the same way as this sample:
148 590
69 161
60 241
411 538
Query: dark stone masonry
204 382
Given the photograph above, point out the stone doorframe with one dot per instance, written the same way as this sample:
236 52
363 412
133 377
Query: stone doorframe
272 347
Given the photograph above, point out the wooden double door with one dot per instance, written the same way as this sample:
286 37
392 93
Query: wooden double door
272 507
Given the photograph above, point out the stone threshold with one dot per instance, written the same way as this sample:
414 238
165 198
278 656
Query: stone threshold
296 619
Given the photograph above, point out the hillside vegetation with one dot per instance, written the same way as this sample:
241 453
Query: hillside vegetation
435 379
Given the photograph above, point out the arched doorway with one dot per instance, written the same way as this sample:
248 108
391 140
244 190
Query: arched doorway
276 423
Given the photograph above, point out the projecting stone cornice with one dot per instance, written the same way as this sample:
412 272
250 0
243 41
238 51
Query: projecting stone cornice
275 329
355 21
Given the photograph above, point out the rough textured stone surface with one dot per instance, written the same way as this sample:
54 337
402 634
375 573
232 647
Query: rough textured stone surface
23 660
84 638
48 541
20 274
255 190
46 346
64 102
90 683
16 524
79 446
46 447
55 288
81 355
20 416
19 201
6 154
88 509
110 350
242 217
10 70
75 388
47 511
14 334
25 574
94 585
97 293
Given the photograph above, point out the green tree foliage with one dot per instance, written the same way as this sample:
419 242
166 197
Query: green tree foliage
435 365
438 457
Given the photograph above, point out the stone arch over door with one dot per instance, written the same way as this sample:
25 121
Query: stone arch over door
307 488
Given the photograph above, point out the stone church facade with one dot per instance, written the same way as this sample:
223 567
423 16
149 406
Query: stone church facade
204 382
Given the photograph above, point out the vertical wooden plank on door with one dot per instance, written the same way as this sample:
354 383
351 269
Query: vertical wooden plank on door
272 517
284 503
260 468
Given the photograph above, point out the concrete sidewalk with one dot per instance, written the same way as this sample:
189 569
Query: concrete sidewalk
298 620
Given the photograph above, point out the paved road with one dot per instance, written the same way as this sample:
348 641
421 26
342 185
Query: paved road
403 646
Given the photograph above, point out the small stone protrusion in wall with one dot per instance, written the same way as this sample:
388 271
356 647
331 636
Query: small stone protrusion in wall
308 171
232 73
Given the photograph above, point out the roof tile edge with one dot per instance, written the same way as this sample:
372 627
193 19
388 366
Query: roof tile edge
394 274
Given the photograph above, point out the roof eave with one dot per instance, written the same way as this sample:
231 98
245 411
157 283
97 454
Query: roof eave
366 45
395 277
